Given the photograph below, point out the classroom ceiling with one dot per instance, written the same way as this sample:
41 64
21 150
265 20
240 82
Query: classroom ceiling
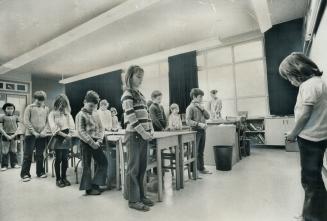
26 25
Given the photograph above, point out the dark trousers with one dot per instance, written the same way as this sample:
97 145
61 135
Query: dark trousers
136 167
61 163
200 144
13 159
8 148
315 202
100 174
32 142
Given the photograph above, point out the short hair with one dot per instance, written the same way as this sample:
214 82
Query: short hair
155 94
104 102
92 97
4 107
214 91
40 95
113 110
174 106
298 66
196 92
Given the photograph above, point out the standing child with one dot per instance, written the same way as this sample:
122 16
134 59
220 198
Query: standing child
115 122
91 133
196 117
157 112
175 121
35 120
138 132
310 130
62 127
105 115
9 127
214 105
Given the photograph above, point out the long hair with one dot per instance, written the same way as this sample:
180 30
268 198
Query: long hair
298 66
128 81
61 103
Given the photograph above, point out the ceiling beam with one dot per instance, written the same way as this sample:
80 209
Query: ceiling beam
262 13
148 59
117 13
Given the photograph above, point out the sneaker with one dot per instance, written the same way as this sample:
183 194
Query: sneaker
4 168
26 178
66 182
60 183
139 206
43 175
147 202
93 192
16 166
205 171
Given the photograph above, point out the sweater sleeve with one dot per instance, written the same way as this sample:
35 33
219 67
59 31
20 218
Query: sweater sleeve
189 118
52 125
2 131
47 126
127 104
27 120
81 130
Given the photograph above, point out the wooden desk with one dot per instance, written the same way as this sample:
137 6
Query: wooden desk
189 138
163 140
117 139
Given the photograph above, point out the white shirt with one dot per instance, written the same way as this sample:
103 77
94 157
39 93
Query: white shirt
313 92
59 121
106 119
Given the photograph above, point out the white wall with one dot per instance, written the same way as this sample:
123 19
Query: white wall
238 72
318 51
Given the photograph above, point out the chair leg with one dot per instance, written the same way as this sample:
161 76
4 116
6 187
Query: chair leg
76 171
52 167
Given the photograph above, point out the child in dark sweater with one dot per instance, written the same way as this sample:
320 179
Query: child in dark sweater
196 117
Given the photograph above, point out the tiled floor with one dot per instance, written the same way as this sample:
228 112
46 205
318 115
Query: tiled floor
263 187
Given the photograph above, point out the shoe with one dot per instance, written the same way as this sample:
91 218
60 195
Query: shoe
139 206
93 192
60 183
16 166
4 168
43 175
66 182
204 171
147 202
26 178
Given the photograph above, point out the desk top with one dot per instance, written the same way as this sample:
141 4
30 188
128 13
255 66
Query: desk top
156 135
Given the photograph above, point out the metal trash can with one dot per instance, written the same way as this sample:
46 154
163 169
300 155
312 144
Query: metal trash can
223 157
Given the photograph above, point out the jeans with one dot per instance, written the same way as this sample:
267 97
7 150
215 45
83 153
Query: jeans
200 144
32 142
136 167
315 202
100 174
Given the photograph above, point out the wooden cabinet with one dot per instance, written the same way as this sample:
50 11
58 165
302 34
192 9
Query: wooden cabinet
275 129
